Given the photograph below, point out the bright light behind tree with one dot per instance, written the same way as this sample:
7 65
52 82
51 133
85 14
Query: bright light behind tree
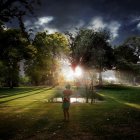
68 73
78 71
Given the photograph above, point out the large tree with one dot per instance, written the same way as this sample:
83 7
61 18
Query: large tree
42 69
91 49
13 48
127 58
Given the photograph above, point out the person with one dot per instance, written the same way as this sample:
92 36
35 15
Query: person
66 102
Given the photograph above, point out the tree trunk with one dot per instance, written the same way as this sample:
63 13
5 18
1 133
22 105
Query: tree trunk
92 93
11 84
86 93
134 81
100 78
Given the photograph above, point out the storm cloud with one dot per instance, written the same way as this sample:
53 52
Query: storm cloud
121 17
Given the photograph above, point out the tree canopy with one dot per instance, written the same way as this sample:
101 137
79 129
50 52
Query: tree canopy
91 49
17 9
49 47
127 58
14 47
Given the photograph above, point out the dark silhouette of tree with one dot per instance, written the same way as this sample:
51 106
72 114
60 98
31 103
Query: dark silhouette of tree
134 43
10 9
13 48
127 58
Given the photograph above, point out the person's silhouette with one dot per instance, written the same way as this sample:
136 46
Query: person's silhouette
66 102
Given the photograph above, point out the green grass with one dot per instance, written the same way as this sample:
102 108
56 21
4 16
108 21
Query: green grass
26 114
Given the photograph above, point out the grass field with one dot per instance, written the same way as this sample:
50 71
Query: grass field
25 114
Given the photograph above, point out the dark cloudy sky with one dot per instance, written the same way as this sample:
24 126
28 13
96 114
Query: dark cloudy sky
121 17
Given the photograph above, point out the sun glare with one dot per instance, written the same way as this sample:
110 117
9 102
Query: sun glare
69 74
78 71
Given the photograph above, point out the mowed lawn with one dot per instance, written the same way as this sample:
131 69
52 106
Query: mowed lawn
25 114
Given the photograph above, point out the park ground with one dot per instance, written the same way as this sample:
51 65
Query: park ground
26 114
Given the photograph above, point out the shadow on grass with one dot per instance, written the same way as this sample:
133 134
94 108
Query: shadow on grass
13 92
26 95
113 87
126 103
